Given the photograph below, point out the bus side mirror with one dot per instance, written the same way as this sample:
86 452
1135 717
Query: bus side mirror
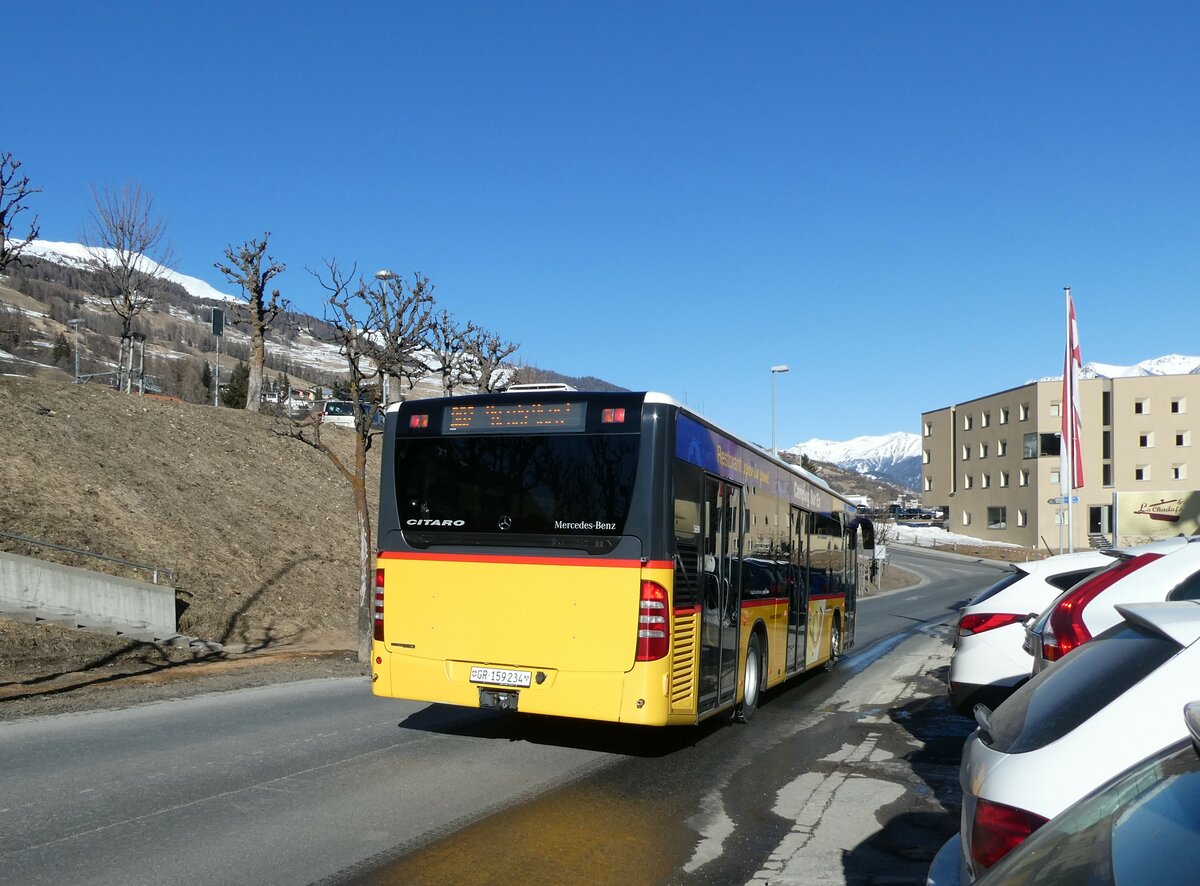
710 563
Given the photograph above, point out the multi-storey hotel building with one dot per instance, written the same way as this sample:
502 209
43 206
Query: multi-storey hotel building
993 463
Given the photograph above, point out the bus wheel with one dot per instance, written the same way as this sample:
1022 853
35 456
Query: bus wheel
835 645
752 685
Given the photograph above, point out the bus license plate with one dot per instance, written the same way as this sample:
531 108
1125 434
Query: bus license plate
500 676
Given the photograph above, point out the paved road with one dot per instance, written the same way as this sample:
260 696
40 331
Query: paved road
318 780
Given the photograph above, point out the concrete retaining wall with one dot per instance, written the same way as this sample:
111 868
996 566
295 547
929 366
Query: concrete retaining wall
26 583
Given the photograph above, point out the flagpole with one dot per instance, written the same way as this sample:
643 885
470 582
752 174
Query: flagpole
1067 410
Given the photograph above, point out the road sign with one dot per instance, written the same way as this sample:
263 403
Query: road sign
1065 500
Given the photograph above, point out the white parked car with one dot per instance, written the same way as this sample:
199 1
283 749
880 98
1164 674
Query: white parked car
341 413
1141 828
990 660
1164 570
1108 704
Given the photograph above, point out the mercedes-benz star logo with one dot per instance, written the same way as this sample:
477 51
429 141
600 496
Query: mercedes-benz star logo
506 522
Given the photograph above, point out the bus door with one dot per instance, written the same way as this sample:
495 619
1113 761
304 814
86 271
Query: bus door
721 592
797 587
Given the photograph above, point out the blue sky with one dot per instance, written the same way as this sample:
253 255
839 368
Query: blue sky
887 197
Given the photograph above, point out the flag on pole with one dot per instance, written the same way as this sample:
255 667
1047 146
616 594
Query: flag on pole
1072 365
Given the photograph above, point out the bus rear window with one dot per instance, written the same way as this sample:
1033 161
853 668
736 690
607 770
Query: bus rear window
552 489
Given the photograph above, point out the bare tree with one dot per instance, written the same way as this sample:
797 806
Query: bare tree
401 315
487 351
447 341
128 249
245 268
351 335
15 190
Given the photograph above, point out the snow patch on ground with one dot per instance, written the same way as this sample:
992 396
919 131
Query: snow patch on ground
932 536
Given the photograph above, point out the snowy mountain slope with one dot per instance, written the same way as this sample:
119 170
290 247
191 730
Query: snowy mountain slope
895 457
77 255
1171 364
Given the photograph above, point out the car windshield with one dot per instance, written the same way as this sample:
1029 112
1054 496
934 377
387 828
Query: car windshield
1142 828
339 407
1014 576
1057 700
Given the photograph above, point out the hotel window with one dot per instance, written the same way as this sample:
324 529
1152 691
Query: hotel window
968 420
1023 412
1183 438
985 481
928 429
1106 408
1146 441
1022 518
1178 472
1023 477
985 419
983 450
966 452
1141 407
925 457
1106 475
966 518
1001 448
997 518
1003 415
1037 445
1003 479
968 481
1179 405
1055 408
929 484
1054 478
1141 472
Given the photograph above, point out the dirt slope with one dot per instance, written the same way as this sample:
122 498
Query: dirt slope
258 528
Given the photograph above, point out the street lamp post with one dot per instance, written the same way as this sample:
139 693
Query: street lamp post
775 370
77 323
383 275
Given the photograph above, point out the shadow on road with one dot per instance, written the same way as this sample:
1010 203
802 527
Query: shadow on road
608 738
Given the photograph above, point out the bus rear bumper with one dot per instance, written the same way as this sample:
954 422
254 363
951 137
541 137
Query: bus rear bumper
636 696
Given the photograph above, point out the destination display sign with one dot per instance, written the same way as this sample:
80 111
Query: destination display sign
515 418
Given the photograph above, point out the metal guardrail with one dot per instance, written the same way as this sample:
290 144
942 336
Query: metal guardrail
155 571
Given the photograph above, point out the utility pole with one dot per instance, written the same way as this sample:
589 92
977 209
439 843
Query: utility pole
77 323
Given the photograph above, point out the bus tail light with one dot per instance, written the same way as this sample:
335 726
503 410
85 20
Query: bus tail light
654 625
378 607
612 416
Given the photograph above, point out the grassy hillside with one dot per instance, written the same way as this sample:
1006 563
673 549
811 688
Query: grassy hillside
258 528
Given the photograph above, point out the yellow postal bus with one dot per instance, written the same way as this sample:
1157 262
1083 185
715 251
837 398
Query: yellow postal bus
610 556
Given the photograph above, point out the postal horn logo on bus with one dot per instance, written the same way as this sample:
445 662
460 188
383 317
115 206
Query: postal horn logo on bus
419 522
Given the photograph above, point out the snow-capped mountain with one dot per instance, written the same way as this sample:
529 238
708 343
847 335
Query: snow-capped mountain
895 457
76 255
1171 364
